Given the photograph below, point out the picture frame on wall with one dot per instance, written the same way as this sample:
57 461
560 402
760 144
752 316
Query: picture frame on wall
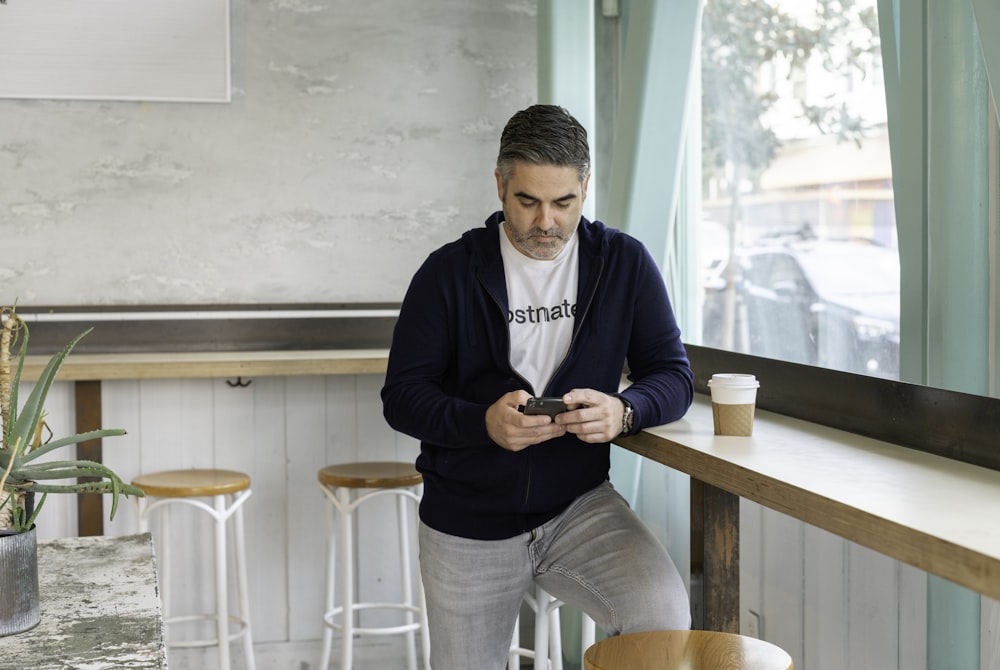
154 50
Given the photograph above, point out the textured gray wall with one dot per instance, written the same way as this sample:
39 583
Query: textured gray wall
360 136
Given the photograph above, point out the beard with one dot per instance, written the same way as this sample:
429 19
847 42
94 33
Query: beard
537 243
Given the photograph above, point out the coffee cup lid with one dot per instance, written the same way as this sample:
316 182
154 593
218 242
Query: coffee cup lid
734 379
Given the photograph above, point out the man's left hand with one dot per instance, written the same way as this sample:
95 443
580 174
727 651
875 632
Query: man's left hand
597 417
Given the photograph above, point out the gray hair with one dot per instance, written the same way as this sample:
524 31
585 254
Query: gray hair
543 135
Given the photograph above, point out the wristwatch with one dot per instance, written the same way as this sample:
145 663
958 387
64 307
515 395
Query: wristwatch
627 416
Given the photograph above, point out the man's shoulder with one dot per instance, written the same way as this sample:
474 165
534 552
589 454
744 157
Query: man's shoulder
598 233
471 243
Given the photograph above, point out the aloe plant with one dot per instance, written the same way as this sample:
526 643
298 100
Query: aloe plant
23 430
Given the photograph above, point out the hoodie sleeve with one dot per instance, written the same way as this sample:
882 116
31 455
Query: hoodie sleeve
414 397
662 381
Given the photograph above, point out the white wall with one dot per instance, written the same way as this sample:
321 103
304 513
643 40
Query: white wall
360 136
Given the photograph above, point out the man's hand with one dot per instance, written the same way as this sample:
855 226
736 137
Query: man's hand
597 417
514 430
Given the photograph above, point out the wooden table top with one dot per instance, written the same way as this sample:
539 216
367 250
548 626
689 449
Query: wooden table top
212 364
937 514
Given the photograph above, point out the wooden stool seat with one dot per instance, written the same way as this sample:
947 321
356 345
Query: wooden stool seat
192 483
379 475
685 650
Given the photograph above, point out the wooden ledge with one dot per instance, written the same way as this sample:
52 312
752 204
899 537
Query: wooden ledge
215 364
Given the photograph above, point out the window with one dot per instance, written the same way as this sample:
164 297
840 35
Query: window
797 239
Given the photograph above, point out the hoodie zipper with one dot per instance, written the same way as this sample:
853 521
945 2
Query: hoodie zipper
527 484
577 326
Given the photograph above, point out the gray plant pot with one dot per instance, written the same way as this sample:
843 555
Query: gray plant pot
19 610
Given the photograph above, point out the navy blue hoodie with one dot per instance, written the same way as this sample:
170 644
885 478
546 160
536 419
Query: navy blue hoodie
450 361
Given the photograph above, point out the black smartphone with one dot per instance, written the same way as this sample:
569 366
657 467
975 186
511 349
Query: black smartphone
545 405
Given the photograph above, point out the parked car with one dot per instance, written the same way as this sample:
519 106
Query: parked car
829 303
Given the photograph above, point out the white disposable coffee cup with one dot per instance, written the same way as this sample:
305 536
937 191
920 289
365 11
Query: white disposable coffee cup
734 398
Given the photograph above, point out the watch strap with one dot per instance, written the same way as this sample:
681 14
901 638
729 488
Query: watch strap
628 416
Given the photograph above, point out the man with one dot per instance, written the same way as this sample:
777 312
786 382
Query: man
540 301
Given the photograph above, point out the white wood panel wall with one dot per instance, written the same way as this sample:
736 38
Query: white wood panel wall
831 603
280 431
990 640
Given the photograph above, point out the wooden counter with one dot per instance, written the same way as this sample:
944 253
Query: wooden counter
97 367
935 513
99 607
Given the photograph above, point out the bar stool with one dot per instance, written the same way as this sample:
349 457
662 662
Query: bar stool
228 490
342 486
685 650
548 634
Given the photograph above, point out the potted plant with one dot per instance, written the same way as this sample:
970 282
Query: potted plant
26 437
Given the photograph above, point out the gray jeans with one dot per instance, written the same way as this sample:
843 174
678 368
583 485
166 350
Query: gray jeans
597 556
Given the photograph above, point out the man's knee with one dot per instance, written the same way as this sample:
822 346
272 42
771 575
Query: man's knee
662 604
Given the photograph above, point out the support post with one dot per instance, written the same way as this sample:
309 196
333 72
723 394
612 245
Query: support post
90 508
715 558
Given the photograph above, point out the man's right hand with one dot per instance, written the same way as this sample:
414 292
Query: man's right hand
512 429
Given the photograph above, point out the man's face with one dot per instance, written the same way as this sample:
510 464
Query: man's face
542 206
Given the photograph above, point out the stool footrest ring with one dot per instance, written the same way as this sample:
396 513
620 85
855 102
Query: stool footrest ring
328 619
241 630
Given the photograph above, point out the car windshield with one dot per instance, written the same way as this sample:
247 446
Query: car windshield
851 269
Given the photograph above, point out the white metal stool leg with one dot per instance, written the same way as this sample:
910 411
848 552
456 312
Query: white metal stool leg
331 575
346 534
162 552
404 574
588 634
548 631
243 588
166 544
542 622
554 649
221 583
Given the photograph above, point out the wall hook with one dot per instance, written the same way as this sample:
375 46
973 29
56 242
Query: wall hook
239 383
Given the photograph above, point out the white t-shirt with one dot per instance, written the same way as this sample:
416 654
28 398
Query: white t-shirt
541 295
